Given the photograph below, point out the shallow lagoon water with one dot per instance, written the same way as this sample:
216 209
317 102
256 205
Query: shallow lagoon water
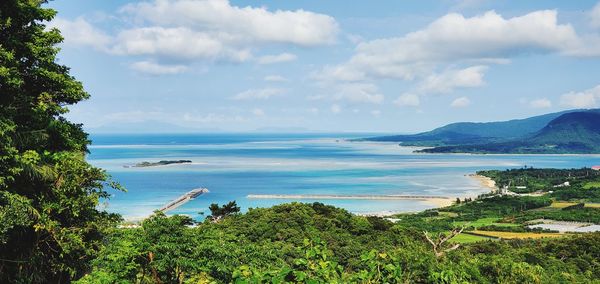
233 166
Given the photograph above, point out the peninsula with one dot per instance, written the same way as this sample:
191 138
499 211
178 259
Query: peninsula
159 163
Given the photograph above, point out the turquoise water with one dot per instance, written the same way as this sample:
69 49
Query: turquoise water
232 166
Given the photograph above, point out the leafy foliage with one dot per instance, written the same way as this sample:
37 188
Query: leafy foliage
217 213
48 193
315 243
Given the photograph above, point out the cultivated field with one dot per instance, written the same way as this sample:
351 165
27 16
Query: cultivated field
513 235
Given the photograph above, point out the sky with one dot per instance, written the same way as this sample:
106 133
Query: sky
338 66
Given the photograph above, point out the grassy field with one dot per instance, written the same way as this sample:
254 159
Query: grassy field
466 238
448 214
484 222
592 184
561 204
513 235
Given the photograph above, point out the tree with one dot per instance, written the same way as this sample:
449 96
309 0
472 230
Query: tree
217 213
438 243
48 192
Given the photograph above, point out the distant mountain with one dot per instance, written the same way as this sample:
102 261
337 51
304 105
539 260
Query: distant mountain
474 133
572 132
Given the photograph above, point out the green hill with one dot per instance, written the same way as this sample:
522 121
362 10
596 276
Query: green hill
474 132
573 132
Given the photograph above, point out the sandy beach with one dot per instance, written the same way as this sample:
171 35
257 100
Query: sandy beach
485 181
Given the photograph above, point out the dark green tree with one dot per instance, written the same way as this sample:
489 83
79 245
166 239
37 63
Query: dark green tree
49 225
217 213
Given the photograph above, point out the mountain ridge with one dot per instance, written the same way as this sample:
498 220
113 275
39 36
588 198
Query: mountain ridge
461 133
570 133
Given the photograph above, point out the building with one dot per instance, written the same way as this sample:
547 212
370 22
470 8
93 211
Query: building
566 183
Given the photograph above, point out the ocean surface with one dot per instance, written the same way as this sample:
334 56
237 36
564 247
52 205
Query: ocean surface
233 166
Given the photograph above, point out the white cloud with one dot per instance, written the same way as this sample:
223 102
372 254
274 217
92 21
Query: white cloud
258 112
258 94
279 58
179 43
595 16
407 99
376 113
275 78
153 68
455 51
454 38
583 99
339 73
80 32
249 23
202 30
450 79
540 103
359 93
336 108
460 102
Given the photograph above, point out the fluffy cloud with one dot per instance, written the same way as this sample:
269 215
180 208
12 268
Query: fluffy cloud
583 99
180 43
460 102
192 30
455 51
450 79
407 100
279 58
81 33
153 68
454 38
540 103
258 94
245 23
359 93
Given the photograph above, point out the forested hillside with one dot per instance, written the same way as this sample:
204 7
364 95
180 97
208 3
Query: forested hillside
315 243
571 133
473 132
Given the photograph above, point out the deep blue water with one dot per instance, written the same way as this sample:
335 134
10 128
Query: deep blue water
233 166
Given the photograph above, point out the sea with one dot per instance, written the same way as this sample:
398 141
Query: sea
233 166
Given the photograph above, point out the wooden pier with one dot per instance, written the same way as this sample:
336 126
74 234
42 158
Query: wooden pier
183 199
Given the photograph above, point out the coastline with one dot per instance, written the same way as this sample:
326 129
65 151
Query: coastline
485 181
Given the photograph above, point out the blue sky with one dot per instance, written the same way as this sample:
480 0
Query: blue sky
397 66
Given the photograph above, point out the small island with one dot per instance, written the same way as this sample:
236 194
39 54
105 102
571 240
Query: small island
146 164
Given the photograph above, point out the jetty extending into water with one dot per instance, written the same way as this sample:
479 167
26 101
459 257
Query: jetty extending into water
352 196
183 199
